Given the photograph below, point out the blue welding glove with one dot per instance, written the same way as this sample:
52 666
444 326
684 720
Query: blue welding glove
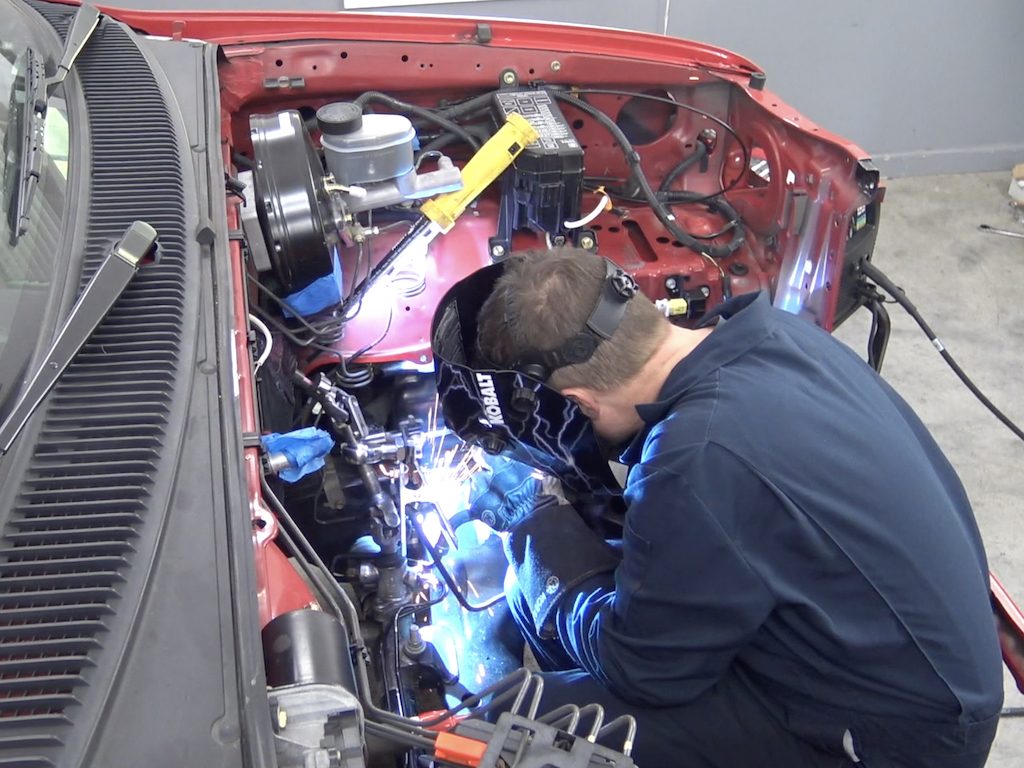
504 493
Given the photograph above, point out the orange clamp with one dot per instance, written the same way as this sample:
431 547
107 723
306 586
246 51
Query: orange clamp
459 750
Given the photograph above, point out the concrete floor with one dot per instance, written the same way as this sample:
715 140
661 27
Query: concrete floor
967 285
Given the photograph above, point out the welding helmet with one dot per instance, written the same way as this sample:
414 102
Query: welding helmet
513 412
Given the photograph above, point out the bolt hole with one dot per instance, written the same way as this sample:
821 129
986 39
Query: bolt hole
408 309
532 71
577 124
614 229
259 523
422 65
314 67
405 57
279 63
677 244
597 227
343 54
479 66
662 240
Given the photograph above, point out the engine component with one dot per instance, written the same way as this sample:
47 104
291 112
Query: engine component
440 214
364 149
317 725
305 647
546 187
316 715
291 200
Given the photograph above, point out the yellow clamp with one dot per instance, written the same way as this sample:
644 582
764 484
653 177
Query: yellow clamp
482 169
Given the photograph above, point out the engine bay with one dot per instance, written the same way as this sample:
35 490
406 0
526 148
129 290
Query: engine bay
366 178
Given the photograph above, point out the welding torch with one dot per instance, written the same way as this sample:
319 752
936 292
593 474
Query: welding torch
439 214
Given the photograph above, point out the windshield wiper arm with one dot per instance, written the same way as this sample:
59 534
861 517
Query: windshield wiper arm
38 90
102 290
82 27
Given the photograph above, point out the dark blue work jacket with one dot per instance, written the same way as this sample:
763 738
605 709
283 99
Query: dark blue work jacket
789 513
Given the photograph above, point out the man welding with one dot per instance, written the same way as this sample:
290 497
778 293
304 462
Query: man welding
801 581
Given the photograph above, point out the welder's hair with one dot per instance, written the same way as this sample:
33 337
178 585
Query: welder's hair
544 298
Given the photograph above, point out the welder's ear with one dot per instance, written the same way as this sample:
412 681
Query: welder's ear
584 399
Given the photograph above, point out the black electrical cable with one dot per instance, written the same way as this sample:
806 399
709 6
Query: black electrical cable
363 350
392 733
470 106
699 153
672 102
324 332
660 209
422 112
882 280
442 140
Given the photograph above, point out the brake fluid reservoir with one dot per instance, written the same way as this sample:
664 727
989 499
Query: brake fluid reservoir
364 149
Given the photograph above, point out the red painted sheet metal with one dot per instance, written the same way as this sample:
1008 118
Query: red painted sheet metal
1010 624
275 26
279 588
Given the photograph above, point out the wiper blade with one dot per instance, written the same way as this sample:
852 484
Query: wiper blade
31 150
38 90
102 290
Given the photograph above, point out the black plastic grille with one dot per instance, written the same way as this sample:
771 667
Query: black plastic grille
68 545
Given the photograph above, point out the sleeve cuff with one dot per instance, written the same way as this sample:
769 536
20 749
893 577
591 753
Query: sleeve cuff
552 552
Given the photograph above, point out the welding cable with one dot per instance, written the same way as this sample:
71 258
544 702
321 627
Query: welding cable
421 112
882 280
628 722
697 111
660 209
268 341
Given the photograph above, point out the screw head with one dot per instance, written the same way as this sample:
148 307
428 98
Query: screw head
671 283
555 66
498 250
282 719
508 77
705 291
587 242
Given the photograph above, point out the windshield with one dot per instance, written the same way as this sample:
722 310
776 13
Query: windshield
26 263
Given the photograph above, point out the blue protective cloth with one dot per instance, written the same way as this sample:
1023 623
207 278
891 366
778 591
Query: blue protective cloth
305 449
322 293
788 515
